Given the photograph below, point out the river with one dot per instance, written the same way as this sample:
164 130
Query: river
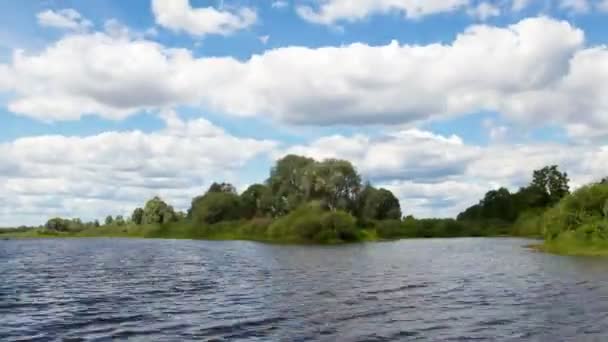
180 290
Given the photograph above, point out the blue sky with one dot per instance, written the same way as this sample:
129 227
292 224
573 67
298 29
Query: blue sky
107 103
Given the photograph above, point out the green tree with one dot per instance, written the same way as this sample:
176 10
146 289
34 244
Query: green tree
157 211
286 183
378 204
119 220
138 216
551 184
58 224
215 207
498 204
256 201
334 182
109 220
222 187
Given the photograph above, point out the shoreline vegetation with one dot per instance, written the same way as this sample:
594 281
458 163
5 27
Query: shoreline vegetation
308 201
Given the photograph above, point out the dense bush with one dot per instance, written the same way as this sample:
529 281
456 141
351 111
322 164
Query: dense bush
310 223
583 214
156 211
215 207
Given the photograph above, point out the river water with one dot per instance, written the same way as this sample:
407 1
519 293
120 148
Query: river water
180 290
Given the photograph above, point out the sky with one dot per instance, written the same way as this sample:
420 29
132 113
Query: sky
105 104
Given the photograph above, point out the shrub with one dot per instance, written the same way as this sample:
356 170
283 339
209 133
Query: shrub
310 223
215 207
583 213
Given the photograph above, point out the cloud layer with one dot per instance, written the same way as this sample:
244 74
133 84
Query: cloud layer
180 16
534 71
68 19
331 11
436 175
112 172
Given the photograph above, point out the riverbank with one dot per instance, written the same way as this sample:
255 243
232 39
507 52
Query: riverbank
243 231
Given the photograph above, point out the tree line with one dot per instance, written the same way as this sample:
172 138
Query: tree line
304 200
326 199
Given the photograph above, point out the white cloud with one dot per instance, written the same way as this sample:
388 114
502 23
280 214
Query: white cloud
178 15
408 154
575 6
329 12
6 78
65 19
279 4
435 175
519 5
112 172
264 39
602 5
534 71
484 11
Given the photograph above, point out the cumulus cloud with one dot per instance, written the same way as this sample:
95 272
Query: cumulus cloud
179 15
534 71
437 175
279 4
408 154
575 6
329 12
68 19
484 11
264 39
519 5
112 172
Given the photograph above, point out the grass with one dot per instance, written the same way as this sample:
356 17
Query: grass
568 244
235 230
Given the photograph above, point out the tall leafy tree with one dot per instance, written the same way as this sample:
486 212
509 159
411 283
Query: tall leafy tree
334 182
222 187
157 211
138 216
286 182
256 201
109 220
378 204
551 184
215 207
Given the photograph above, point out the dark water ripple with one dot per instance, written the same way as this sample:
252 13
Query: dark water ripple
166 290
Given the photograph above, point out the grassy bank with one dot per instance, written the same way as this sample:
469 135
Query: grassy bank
238 230
302 227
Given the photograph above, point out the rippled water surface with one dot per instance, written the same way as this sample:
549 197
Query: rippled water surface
166 290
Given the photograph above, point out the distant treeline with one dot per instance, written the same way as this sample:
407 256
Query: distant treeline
304 200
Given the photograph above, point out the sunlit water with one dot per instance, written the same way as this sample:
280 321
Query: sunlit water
438 290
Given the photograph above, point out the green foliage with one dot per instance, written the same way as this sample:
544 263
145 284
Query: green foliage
583 212
287 183
67 225
109 220
295 180
58 224
119 220
138 216
222 187
529 224
215 207
522 211
256 201
156 211
335 183
312 224
378 204
551 183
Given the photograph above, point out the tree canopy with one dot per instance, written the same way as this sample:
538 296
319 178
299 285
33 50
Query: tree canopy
547 187
157 211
